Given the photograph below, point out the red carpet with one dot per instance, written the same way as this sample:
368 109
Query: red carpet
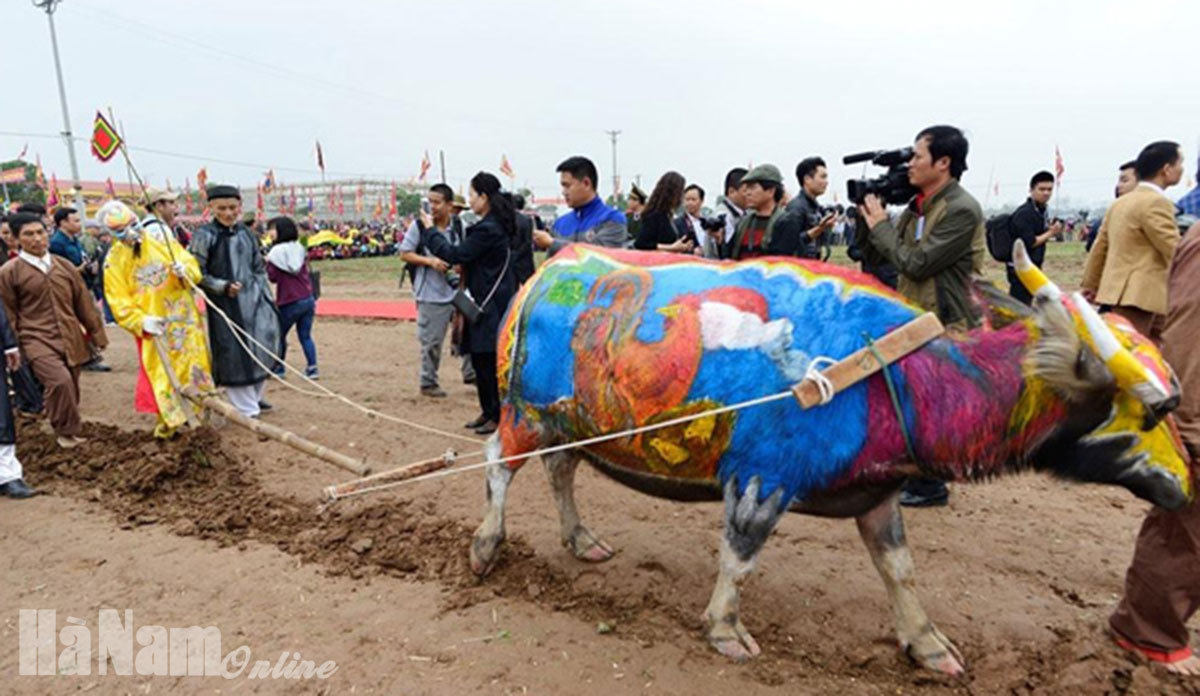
404 310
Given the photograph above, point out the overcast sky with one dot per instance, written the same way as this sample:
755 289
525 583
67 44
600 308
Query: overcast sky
694 86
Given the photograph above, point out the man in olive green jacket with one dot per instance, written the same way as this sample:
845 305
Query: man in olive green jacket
937 245
756 233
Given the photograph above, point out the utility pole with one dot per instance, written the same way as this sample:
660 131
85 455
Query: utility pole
48 6
616 178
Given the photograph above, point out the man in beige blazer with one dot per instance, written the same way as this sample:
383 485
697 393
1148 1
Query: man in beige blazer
1127 268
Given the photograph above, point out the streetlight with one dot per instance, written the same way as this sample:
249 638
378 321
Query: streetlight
48 6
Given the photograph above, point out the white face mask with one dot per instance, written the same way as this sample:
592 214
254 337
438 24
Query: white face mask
130 235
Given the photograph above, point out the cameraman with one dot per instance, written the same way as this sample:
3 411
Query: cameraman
938 242
814 222
936 246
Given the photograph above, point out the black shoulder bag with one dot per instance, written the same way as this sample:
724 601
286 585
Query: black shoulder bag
463 302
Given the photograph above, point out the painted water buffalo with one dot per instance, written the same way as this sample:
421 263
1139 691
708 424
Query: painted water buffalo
600 341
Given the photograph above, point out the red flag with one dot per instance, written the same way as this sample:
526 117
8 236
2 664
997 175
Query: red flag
52 197
358 201
187 195
105 140
378 212
259 205
109 189
332 197
1058 164
425 165
341 202
40 178
202 182
505 167
392 204
320 158
293 200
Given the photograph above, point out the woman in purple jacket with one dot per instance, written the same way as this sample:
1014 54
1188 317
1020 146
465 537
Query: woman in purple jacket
287 267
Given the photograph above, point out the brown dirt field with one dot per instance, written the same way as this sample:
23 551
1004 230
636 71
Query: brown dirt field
219 528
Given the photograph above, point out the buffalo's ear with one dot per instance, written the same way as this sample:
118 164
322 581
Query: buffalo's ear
1057 356
999 308
1089 368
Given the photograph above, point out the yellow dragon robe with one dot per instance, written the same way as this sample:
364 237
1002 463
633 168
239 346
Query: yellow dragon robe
142 284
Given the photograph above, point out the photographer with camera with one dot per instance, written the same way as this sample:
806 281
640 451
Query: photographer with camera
730 209
936 245
431 282
815 222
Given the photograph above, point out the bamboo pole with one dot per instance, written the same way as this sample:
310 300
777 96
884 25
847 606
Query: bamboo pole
210 401
332 493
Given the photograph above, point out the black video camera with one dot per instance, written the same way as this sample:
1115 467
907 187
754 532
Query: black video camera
892 186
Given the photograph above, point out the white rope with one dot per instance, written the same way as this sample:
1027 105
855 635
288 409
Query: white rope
323 392
331 494
824 387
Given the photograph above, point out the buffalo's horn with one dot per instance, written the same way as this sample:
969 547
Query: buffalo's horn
1131 375
1031 276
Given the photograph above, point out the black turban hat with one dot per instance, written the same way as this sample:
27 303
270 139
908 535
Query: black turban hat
223 191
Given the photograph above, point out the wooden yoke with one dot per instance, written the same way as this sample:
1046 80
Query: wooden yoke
861 364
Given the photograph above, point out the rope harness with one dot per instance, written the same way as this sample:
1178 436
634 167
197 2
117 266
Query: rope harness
895 397
322 391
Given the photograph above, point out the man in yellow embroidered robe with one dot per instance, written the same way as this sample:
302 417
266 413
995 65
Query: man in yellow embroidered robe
146 285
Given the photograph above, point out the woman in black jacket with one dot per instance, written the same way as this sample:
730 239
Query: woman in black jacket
486 256
658 228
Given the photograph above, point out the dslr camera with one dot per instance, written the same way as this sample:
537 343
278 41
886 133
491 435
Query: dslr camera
713 223
892 186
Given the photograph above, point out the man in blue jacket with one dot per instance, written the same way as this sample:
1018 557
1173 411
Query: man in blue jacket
590 220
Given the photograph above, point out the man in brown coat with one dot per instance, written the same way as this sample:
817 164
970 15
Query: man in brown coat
1127 268
47 303
1162 587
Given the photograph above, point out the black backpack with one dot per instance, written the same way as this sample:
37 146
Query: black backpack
1000 237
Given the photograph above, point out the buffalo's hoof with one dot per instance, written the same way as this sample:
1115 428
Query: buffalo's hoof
485 551
586 547
933 650
731 639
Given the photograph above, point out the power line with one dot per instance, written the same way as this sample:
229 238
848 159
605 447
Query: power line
157 33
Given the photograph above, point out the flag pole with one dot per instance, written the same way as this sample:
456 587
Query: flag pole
442 159
128 166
